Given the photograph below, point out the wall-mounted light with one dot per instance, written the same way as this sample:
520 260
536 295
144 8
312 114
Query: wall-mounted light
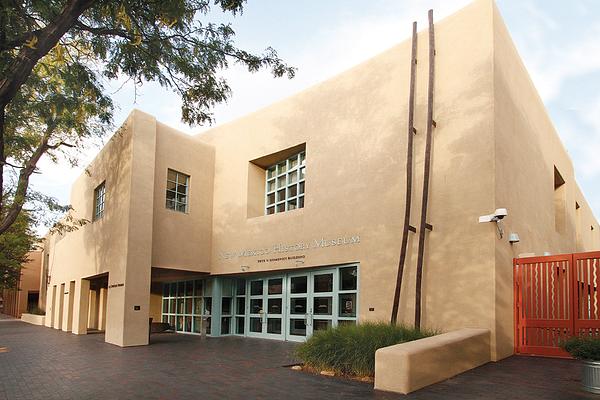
513 238
244 268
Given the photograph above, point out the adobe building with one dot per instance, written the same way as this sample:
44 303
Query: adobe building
289 220
25 297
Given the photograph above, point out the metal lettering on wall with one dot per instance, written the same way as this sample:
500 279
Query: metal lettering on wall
287 248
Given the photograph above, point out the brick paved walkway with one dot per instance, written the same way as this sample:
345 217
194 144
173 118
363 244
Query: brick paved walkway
43 363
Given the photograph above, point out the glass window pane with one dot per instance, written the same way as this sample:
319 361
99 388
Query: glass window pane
241 306
165 319
302 158
293 177
348 278
275 286
165 306
348 305
322 305
298 305
271 186
226 305
301 187
281 182
346 322
207 305
270 198
323 283
188 324
292 204
239 325
299 284
179 324
170 204
256 306
172 322
225 325
274 306
270 210
171 186
255 325
181 189
281 195
172 309
297 327
270 172
180 306
302 173
301 202
292 191
241 287
208 287
197 324
321 324
281 207
207 325
198 306
274 325
281 168
189 288
188 305
293 162
171 175
181 207
256 288
198 288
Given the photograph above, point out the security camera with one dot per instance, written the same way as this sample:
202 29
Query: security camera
495 216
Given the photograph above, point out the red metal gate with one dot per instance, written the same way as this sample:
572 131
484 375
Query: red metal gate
555 297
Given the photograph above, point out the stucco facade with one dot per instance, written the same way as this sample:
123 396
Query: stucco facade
26 296
494 147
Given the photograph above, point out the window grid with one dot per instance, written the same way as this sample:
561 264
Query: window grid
285 185
99 197
177 191
185 303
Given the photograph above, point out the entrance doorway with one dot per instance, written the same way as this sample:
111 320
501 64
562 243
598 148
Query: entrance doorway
265 314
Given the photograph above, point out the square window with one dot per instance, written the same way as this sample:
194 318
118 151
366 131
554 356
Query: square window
177 191
226 306
348 278
286 179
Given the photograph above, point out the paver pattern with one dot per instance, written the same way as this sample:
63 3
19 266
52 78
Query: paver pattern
43 363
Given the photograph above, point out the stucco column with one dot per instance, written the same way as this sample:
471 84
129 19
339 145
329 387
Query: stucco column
50 302
58 307
102 302
67 324
92 310
81 306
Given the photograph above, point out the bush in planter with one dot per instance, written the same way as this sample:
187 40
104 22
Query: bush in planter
350 349
584 348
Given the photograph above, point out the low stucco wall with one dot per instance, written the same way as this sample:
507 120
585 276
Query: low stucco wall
407 367
33 319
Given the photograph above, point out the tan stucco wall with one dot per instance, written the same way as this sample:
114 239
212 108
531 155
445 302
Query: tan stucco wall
183 240
15 301
354 129
526 150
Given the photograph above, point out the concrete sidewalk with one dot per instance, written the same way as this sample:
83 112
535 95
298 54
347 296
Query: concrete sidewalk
43 363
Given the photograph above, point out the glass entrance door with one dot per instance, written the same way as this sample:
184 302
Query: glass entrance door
266 307
311 303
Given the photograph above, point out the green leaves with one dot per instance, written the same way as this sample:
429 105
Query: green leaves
15 243
77 45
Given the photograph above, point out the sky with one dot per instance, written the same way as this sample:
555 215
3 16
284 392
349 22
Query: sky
558 41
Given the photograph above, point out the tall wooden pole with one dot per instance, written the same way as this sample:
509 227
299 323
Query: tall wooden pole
409 176
426 173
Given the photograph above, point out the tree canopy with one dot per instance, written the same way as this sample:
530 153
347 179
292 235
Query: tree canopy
57 55
15 244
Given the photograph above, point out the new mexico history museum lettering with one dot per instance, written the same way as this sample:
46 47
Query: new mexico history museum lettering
286 248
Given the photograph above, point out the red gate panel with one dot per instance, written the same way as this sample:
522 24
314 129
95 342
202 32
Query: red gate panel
556 297
543 306
586 277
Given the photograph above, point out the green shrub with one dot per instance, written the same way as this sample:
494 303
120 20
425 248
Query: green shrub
350 349
583 348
